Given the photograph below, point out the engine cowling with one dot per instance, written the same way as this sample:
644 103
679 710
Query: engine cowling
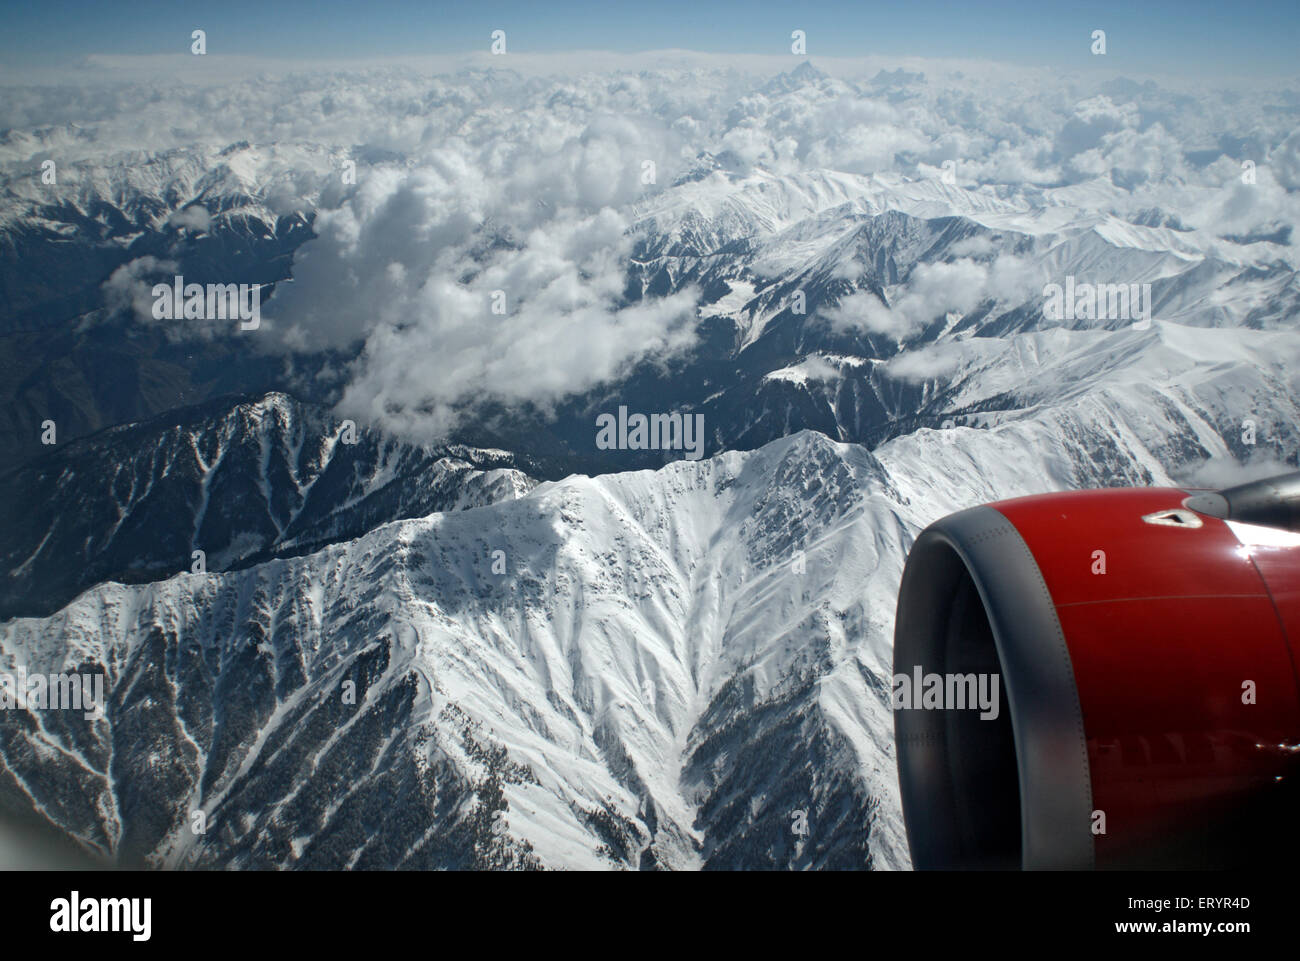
1144 643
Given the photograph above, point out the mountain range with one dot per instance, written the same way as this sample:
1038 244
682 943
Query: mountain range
331 644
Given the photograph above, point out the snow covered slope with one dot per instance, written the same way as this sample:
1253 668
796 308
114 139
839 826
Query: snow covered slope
658 676
238 481
407 655
653 668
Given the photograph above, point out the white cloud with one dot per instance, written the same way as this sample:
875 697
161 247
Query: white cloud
476 179
980 245
128 288
1285 162
934 362
194 218
934 290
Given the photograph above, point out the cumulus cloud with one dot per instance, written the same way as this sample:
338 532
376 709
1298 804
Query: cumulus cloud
530 183
416 378
1285 162
1091 122
128 288
194 217
938 361
1243 202
980 245
493 269
932 291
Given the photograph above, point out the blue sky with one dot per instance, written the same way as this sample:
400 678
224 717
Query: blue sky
1161 36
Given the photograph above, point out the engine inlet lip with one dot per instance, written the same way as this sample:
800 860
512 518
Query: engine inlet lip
1040 692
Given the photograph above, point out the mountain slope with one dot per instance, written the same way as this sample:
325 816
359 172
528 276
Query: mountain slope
664 668
645 683
237 481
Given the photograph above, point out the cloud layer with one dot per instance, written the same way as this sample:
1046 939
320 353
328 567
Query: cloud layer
475 228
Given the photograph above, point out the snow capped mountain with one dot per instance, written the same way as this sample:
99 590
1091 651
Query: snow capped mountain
653 668
890 295
236 482
737 238
234 212
644 681
1181 395
398 651
144 189
71 249
771 188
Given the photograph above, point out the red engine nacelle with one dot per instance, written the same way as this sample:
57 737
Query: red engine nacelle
1146 646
